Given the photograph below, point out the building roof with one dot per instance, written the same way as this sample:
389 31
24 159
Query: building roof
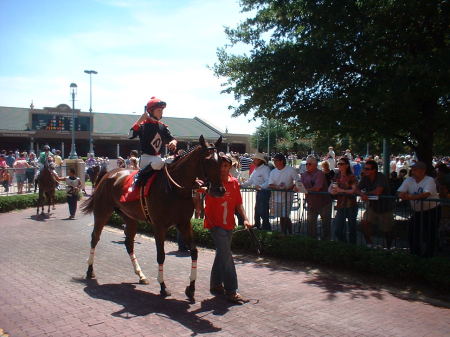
17 119
14 119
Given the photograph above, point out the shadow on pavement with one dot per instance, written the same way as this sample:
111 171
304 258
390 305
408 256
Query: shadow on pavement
136 302
333 287
41 217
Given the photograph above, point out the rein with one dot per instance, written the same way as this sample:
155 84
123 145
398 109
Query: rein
209 148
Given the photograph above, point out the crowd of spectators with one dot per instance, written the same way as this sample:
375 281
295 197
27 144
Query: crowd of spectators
328 180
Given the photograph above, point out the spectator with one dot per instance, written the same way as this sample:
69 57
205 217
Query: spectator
219 219
58 161
443 188
379 211
330 157
329 174
245 163
234 171
134 160
402 174
282 179
401 164
133 163
348 154
418 188
260 180
121 163
4 174
344 184
314 180
357 168
19 167
10 159
31 172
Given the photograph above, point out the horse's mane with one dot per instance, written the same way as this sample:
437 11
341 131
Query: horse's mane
184 155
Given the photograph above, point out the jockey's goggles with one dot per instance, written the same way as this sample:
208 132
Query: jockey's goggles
157 105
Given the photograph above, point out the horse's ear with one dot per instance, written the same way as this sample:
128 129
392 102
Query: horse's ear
218 142
202 141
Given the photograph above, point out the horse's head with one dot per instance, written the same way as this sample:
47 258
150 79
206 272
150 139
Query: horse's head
211 167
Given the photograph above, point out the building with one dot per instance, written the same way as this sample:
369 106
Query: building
29 129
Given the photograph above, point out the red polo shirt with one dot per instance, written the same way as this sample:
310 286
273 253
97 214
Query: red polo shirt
219 211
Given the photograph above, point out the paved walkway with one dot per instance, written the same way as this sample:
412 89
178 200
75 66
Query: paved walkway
43 292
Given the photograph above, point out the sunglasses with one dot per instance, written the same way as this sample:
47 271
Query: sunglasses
308 164
339 164
368 168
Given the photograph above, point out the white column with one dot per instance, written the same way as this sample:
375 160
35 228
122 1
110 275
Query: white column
118 150
62 150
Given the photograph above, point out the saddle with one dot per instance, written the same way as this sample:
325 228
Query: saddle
131 187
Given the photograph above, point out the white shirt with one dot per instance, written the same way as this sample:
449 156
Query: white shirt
426 185
288 176
259 177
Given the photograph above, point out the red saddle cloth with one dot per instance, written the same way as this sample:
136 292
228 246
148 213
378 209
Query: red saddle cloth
132 194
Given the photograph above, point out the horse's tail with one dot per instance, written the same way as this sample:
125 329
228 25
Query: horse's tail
88 205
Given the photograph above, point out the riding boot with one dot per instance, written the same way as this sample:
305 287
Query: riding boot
142 176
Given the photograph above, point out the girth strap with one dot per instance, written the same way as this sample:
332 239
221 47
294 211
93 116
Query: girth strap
144 204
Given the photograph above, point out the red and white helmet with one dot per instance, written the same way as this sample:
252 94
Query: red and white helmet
155 103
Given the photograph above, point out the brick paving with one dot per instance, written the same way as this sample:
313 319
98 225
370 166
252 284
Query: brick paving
43 292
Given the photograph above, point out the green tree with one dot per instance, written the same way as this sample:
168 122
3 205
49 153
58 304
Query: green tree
366 69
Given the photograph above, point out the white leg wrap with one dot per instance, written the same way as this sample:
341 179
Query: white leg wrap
193 276
91 257
160 273
136 266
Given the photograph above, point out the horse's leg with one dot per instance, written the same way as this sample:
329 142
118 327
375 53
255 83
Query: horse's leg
130 233
49 200
53 194
186 232
38 202
160 236
100 221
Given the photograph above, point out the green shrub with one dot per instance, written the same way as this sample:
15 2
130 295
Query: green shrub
396 265
13 202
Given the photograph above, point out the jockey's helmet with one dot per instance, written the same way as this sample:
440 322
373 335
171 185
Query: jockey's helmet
46 148
153 104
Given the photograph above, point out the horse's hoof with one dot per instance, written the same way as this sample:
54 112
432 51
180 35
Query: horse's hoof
190 292
90 273
165 292
144 281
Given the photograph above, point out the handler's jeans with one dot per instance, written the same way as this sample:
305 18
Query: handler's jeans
262 209
223 270
72 202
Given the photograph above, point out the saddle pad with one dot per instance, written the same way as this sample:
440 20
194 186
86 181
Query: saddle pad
132 194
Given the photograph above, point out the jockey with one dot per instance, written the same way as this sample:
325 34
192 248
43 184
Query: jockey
153 134
43 157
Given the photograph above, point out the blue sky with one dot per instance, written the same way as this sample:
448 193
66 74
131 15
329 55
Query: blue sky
139 48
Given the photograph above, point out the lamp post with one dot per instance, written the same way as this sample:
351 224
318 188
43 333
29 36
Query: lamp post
73 151
91 145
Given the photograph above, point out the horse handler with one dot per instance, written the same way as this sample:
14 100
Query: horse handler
219 219
73 185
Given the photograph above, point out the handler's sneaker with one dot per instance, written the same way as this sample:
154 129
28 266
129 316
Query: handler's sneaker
236 298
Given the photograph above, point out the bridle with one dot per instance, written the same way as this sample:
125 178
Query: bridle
211 149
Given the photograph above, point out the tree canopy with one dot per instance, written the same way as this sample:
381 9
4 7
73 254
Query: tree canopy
368 69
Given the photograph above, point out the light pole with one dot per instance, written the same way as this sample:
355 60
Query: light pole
73 151
91 145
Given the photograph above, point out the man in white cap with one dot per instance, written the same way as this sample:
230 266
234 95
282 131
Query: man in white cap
260 180
425 219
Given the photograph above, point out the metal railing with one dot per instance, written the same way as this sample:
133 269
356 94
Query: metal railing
397 224
16 177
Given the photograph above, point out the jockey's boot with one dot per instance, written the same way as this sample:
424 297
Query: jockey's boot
142 176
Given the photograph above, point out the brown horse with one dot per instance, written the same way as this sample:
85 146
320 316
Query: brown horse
47 186
169 204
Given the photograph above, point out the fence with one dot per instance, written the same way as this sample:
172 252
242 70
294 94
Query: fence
10 183
398 225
